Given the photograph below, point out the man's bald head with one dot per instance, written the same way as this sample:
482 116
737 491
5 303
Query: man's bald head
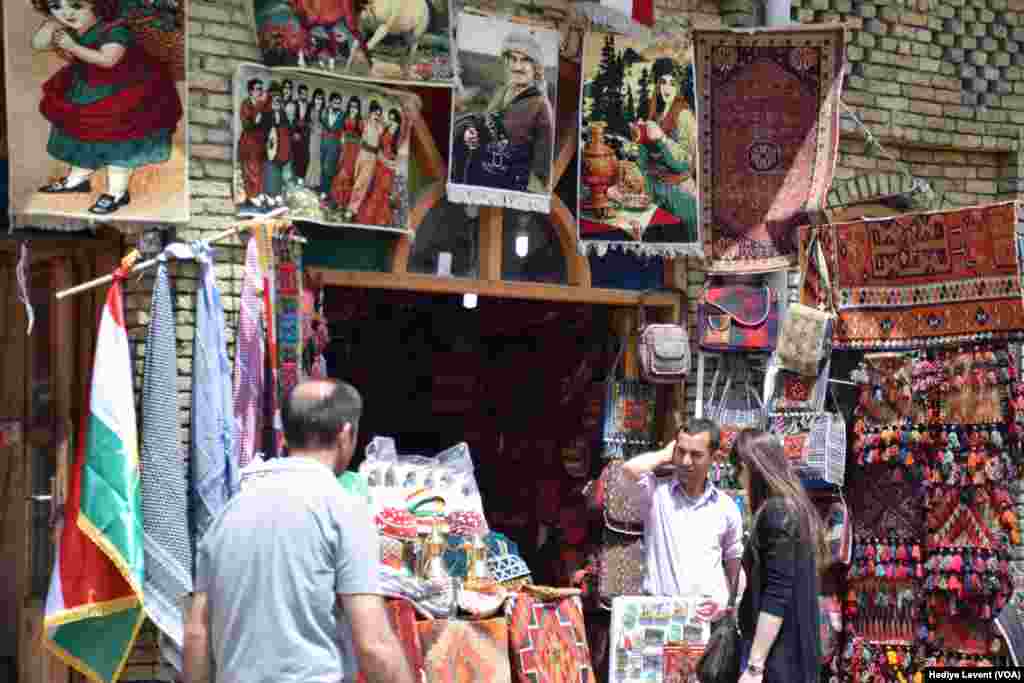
316 411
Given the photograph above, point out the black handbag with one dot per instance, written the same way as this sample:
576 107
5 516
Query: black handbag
720 662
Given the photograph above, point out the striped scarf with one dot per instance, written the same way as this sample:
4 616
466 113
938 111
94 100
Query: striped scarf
250 362
213 468
166 541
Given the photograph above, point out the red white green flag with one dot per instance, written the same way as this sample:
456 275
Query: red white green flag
94 604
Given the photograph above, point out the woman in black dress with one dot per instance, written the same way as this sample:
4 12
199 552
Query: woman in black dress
778 614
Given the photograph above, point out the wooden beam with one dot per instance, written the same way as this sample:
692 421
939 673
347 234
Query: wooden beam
427 200
492 221
568 143
414 282
577 267
426 149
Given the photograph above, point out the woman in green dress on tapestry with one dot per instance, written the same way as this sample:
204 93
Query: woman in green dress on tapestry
113 106
665 152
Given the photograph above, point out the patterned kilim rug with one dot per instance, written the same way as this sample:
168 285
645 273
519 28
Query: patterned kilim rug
457 651
768 106
930 278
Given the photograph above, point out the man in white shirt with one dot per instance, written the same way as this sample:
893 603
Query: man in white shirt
693 532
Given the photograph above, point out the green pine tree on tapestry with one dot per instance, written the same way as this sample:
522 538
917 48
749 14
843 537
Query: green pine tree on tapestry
162 15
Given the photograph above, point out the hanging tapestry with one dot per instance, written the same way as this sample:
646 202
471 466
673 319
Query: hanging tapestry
637 160
332 152
396 41
503 123
96 140
458 651
548 641
927 278
288 270
769 110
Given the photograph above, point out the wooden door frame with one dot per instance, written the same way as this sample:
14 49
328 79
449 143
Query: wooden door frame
72 328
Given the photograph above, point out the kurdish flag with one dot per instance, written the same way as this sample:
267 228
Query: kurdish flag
94 604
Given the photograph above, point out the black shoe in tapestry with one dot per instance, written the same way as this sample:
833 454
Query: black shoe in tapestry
61 186
108 204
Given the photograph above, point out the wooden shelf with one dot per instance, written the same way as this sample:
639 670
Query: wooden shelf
493 288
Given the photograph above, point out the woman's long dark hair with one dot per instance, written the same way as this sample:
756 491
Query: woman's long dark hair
772 477
396 116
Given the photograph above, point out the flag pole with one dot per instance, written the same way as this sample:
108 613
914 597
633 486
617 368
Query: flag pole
149 263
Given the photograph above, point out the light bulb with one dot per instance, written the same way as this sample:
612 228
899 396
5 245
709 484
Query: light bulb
469 300
522 245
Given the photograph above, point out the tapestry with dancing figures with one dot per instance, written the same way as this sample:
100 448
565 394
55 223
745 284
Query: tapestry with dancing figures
331 152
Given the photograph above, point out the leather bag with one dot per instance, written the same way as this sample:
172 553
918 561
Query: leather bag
738 318
663 350
720 662
805 338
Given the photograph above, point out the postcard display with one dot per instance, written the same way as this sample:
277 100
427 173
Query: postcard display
656 639
97 141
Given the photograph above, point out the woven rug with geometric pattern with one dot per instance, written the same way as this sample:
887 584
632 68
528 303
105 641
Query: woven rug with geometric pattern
548 641
903 282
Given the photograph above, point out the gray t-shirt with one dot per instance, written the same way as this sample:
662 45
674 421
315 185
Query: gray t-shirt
271 564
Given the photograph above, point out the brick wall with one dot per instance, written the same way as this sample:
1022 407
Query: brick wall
941 82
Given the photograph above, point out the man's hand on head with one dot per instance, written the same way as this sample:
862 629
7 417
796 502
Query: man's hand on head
668 452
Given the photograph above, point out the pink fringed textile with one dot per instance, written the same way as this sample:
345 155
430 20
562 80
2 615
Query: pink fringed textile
250 359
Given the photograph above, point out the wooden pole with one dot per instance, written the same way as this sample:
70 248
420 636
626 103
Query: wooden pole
149 263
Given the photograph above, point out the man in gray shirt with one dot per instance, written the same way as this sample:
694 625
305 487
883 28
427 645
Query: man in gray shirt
285 555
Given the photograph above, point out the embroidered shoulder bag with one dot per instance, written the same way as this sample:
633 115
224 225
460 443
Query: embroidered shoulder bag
805 339
663 349
815 443
738 318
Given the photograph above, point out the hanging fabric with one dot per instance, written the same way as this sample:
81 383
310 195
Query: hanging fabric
273 435
167 548
288 314
250 358
214 472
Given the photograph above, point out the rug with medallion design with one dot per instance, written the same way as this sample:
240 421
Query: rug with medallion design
768 112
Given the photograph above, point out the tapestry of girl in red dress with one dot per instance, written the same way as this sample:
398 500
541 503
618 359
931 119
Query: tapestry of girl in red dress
113 106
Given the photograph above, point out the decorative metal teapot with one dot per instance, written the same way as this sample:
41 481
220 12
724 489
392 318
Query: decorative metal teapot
431 564
478 574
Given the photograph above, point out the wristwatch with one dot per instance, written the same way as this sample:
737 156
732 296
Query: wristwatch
755 669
